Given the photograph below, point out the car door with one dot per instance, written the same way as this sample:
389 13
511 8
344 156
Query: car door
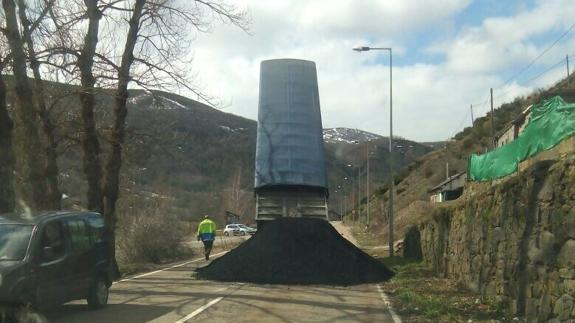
52 268
81 257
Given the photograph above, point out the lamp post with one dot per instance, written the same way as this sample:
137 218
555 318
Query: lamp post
349 195
391 183
368 155
340 191
359 193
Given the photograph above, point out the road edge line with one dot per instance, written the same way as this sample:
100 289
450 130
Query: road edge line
200 310
394 316
164 269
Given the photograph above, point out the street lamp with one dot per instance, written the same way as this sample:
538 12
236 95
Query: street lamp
341 193
351 202
391 183
358 198
368 156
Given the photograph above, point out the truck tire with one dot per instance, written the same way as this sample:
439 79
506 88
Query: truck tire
98 293
226 233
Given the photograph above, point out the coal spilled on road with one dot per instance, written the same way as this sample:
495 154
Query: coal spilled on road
297 251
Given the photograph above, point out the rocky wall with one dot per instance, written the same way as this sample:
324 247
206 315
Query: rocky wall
513 241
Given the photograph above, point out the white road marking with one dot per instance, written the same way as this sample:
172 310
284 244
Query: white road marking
394 316
200 310
211 303
164 269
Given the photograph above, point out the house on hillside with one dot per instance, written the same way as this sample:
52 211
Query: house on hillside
512 131
232 218
448 190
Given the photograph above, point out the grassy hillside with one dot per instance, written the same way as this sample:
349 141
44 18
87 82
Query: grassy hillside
430 169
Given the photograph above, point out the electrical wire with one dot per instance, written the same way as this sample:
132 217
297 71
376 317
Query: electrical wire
538 57
487 100
543 73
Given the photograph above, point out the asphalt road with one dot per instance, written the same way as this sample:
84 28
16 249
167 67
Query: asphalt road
172 295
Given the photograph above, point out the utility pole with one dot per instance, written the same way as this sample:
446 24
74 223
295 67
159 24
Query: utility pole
391 179
343 204
359 193
492 122
447 159
367 183
472 119
567 60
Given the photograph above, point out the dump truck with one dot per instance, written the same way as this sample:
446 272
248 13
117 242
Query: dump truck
290 166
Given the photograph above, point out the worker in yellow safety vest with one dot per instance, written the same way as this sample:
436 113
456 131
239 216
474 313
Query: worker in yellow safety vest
207 233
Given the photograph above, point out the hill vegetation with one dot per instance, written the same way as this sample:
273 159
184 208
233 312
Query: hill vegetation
429 170
194 159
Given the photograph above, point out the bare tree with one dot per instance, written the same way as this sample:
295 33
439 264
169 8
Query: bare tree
156 26
51 170
114 163
90 142
150 50
6 156
30 182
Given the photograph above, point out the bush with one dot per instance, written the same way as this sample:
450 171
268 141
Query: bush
152 236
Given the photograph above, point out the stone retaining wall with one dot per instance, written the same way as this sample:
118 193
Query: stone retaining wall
514 241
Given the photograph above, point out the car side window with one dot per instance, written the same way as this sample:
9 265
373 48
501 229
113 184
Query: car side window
79 234
53 237
96 228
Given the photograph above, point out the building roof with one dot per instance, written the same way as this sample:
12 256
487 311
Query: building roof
445 182
518 120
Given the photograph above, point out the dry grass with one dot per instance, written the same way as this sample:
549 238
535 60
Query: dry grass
418 295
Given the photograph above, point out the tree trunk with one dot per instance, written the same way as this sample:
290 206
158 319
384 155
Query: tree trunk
114 163
29 164
51 171
90 143
6 156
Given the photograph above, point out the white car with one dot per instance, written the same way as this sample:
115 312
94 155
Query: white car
238 230
231 230
244 229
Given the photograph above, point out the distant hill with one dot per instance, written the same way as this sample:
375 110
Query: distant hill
348 135
191 159
434 144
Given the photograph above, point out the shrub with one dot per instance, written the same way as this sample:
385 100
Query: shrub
152 236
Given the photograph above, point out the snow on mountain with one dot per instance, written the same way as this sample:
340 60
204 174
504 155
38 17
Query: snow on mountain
347 135
158 101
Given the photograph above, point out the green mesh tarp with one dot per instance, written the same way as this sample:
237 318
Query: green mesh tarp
552 121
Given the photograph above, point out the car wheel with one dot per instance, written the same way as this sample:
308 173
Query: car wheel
98 294
243 233
226 233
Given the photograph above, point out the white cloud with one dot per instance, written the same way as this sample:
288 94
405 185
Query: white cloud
430 99
506 41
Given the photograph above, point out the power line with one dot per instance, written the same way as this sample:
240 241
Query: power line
560 62
487 100
538 57
552 67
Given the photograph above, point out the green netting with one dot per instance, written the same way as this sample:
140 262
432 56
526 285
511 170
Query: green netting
552 121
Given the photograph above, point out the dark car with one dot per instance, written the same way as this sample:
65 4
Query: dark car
53 258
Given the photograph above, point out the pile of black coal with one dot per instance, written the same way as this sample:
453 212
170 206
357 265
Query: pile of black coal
297 251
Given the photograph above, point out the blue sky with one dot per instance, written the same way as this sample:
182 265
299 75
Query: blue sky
447 54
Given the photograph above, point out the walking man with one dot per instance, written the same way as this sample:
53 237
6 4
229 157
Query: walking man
207 233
